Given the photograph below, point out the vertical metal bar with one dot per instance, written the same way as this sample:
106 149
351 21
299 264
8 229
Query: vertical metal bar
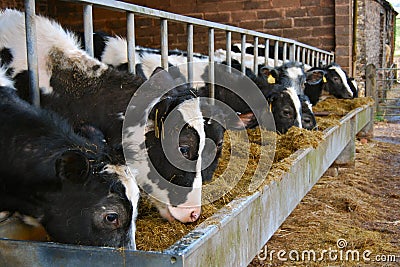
312 59
318 59
31 46
88 28
255 59
243 53
298 58
304 56
190 54
130 36
164 43
292 52
309 57
284 51
228 49
211 73
276 53
266 52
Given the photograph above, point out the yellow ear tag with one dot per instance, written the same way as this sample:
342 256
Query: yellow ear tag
324 79
271 79
270 107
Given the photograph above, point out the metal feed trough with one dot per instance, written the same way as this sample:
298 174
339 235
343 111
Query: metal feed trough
235 234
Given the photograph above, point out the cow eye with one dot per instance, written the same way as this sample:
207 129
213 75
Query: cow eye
112 218
220 143
185 151
286 113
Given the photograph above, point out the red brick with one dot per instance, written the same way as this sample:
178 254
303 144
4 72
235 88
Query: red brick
298 12
218 17
243 16
320 11
343 40
328 3
278 23
309 3
328 20
307 22
343 20
323 31
295 33
229 6
257 5
251 25
269 14
343 10
285 3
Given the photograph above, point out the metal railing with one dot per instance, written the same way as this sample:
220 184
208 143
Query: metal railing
297 51
387 95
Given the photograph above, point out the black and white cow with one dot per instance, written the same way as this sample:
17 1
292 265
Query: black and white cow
331 79
290 74
87 91
63 180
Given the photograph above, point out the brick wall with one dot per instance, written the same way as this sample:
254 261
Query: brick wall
308 21
326 24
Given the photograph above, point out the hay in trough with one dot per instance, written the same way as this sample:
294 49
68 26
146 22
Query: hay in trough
154 233
340 107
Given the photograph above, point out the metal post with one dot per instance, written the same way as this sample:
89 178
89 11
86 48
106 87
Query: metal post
266 52
88 28
298 50
313 59
31 46
130 36
276 53
190 53
243 53
228 49
292 52
255 55
284 52
211 73
164 43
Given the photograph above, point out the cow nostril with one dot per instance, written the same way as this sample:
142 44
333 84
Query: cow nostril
194 216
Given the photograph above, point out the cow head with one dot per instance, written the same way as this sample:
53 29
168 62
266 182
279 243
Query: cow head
337 84
92 206
290 74
308 120
285 107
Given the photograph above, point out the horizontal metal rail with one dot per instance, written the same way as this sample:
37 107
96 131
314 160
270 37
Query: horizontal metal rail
297 51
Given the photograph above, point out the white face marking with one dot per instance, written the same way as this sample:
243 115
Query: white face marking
297 104
191 113
4 80
294 73
342 76
132 193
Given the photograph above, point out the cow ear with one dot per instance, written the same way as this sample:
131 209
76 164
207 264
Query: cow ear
315 76
72 165
270 74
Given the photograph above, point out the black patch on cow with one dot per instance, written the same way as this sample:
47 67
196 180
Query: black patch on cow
6 57
22 85
49 172
282 108
308 120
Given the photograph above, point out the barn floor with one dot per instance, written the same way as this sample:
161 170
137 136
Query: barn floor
360 205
